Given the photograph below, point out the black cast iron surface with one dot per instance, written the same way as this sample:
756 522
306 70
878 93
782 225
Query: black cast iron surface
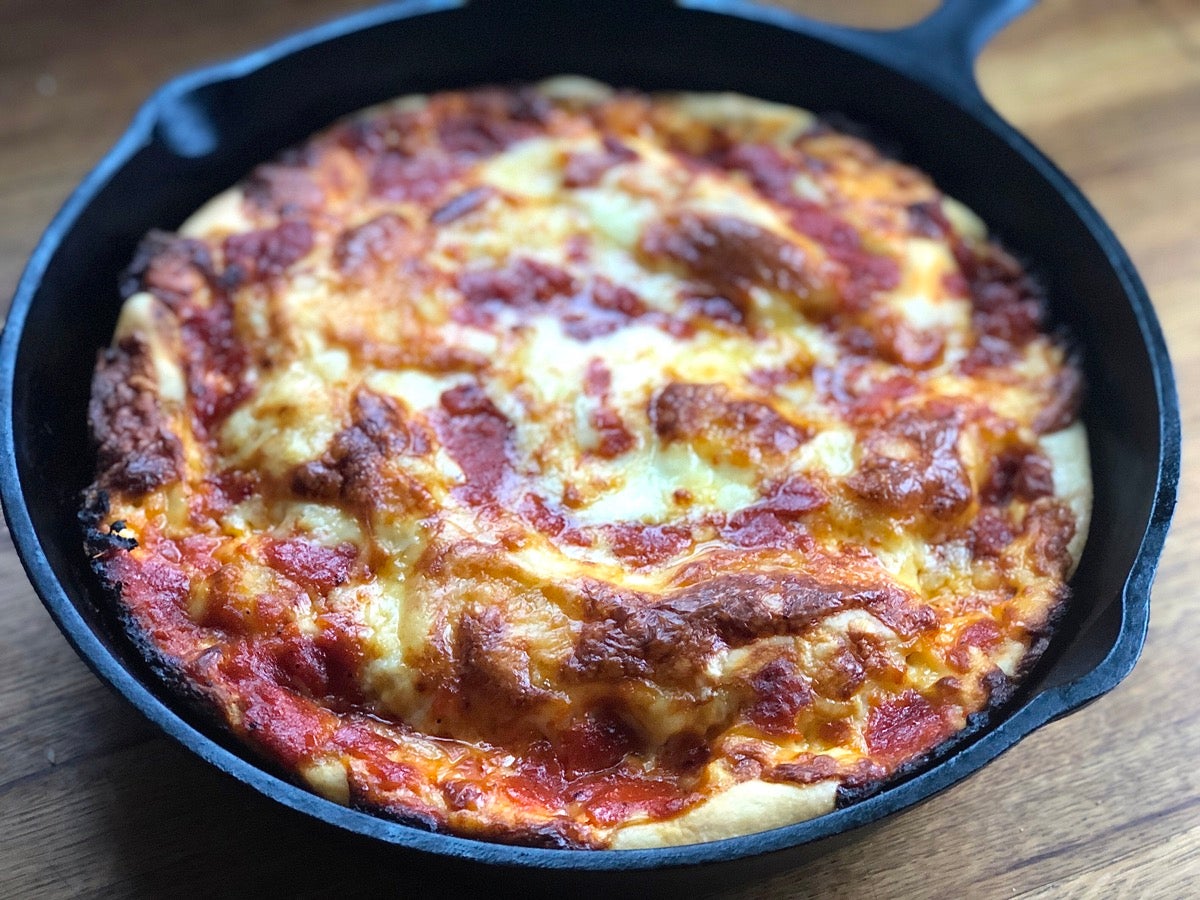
913 90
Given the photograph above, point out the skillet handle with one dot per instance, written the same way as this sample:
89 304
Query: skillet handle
939 50
945 44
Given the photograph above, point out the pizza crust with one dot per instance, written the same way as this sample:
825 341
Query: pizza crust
223 214
1070 461
742 809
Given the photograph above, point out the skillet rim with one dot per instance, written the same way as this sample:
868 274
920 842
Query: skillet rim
961 760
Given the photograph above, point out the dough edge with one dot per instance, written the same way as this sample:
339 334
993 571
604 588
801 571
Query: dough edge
745 808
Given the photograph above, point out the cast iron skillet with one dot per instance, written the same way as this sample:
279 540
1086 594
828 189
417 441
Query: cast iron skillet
913 88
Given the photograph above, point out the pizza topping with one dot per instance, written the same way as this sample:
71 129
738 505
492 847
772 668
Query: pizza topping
780 693
290 726
214 362
647 545
493 664
614 437
982 634
904 726
1020 473
489 121
991 534
585 168
670 637
705 416
462 205
731 255
522 284
600 740
172 268
808 768
363 249
1052 525
357 466
286 190
243 599
789 499
314 566
1062 405
859 274
421 179
265 254
476 434
912 464
580 468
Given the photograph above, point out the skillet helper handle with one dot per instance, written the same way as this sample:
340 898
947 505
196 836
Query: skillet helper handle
943 46
939 49
947 42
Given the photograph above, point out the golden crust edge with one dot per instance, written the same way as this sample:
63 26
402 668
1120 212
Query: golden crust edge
1070 463
223 214
746 808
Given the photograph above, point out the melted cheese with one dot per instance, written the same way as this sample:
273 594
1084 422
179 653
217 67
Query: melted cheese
543 451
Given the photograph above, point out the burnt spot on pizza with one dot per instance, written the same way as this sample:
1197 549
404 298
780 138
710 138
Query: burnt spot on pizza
100 538
136 448
171 267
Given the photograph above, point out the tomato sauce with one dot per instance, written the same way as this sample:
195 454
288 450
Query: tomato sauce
476 434
903 727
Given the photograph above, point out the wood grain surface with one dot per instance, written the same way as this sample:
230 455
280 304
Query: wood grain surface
1103 803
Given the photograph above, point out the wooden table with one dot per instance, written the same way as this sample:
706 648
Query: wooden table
1106 802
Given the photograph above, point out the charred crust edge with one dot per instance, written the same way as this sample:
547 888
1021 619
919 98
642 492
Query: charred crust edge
136 451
